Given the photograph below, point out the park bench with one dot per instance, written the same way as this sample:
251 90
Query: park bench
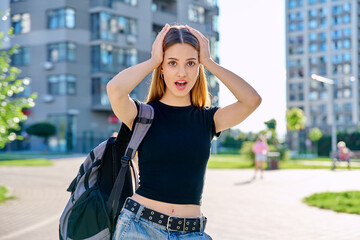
335 158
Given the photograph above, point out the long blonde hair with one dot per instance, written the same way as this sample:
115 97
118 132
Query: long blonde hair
199 94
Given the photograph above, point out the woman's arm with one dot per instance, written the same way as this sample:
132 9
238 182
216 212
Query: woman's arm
120 86
247 98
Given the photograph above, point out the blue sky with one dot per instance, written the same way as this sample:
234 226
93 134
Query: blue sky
252 44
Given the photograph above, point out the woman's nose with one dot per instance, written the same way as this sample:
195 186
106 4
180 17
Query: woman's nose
182 71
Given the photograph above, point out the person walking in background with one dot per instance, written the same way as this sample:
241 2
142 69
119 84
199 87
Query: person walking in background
260 149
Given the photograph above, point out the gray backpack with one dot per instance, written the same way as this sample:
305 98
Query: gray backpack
104 181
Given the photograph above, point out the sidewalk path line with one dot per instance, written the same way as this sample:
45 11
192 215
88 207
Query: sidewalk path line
31 228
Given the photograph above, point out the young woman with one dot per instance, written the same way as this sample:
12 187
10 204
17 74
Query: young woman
175 151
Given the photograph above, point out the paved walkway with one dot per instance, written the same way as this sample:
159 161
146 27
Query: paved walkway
237 208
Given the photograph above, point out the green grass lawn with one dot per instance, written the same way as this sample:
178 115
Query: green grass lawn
4 194
347 202
9 156
242 162
26 162
26 159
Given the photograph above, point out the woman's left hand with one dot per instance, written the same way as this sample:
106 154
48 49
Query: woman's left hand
204 45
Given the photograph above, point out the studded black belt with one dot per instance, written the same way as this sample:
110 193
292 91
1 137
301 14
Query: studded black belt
171 223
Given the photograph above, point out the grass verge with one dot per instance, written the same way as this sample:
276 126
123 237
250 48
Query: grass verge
347 202
4 194
26 162
242 162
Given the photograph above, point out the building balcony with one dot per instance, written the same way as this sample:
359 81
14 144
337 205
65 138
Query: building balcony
101 3
100 102
166 7
161 18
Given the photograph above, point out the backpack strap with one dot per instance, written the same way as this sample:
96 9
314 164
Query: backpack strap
142 124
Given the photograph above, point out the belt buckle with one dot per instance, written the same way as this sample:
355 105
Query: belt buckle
168 224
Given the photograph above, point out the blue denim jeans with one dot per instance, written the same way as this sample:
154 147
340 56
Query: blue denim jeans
130 226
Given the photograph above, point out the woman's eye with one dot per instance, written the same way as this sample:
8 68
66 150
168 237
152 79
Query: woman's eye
172 63
191 64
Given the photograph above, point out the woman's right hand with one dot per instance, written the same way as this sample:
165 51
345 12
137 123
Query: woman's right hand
157 53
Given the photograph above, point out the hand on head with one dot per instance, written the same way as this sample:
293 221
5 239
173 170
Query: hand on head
157 52
204 45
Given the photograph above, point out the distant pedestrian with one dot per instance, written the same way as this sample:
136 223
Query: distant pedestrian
260 149
343 153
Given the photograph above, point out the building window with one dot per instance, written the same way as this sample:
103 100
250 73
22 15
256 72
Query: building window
98 91
346 44
215 23
348 107
313 96
312 2
127 25
312 37
348 118
129 2
313 47
301 96
347 57
107 26
347 32
347 93
66 137
109 3
61 18
346 18
21 57
292 86
314 120
196 14
295 3
62 84
107 58
323 47
313 24
62 52
21 23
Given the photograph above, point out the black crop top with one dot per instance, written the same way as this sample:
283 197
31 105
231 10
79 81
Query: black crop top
174 153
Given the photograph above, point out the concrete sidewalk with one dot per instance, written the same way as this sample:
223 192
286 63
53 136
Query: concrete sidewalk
236 207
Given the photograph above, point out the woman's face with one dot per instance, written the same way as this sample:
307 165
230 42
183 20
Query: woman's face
180 69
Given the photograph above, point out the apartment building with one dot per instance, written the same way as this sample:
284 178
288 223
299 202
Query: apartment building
71 49
322 38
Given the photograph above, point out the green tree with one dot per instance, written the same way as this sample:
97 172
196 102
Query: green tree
315 135
11 103
42 129
271 126
295 121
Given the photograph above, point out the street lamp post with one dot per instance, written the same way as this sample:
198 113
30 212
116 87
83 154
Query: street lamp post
333 125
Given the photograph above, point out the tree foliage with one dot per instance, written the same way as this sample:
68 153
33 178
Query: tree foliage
295 119
11 102
42 129
271 124
315 134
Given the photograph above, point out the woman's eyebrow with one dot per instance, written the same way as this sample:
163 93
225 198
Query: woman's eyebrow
172 58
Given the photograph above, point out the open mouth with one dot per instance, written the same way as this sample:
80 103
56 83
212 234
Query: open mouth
181 84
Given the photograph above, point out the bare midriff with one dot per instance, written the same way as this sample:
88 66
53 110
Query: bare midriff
174 210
